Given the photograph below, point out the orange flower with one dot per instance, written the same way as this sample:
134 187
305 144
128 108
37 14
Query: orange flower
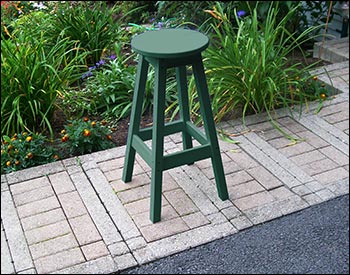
109 137
29 139
86 119
86 133
93 124
65 138
56 157
17 162
323 96
315 78
103 122
30 155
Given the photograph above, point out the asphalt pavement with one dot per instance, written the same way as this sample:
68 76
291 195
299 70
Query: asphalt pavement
312 241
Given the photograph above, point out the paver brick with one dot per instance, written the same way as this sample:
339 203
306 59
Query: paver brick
244 189
136 243
238 178
335 155
180 201
195 220
313 139
43 219
312 199
281 193
33 195
7 266
264 213
72 204
119 248
307 157
163 229
37 207
241 222
292 204
168 182
142 219
47 232
53 246
264 177
242 159
29 185
319 166
137 180
112 164
134 194
84 229
125 261
231 212
94 250
216 218
325 194
331 176
254 200
296 149
61 182
141 206
59 261
103 265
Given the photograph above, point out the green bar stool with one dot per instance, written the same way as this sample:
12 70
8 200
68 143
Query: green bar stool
163 49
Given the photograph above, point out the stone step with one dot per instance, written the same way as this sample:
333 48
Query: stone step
336 50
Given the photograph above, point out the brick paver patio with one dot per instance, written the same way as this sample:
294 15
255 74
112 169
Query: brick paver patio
77 216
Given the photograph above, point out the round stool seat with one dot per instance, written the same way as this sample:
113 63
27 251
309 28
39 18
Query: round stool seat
170 43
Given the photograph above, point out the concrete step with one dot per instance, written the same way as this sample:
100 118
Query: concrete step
336 50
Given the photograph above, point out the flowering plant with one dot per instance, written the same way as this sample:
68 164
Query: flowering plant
84 136
25 150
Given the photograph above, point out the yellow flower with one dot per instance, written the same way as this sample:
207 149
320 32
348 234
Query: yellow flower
29 139
86 133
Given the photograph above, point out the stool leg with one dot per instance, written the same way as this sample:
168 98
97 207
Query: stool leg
157 141
135 117
209 125
183 104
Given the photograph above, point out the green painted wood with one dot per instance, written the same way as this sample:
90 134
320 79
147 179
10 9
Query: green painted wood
169 43
209 125
142 149
158 142
182 92
135 117
186 156
169 128
167 49
194 132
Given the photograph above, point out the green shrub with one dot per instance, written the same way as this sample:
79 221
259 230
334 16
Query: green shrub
82 136
137 12
32 76
246 66
25 150
109 87
90 23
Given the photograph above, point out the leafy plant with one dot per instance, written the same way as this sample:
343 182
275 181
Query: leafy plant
108 88
25 150
91 23
31 78
246 66
188 11
83 136
137 12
